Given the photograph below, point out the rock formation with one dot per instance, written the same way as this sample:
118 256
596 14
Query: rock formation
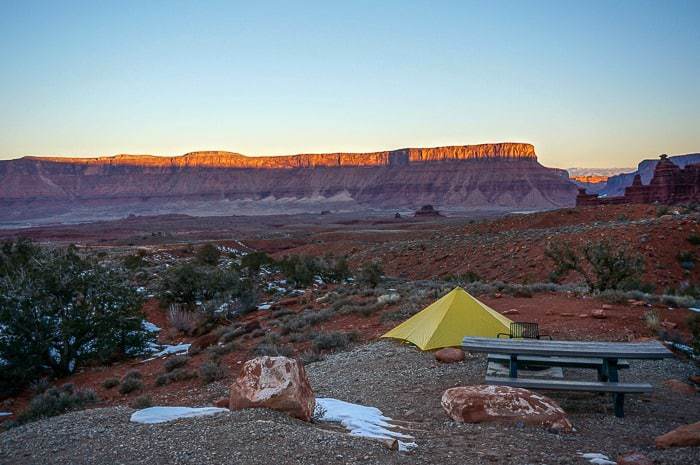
488 176
669 184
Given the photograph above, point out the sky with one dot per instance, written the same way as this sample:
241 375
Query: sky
590 84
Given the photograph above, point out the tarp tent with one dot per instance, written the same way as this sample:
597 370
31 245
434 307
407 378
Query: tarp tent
446 321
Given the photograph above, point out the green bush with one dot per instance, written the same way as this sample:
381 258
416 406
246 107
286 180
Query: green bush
211 371
142 402
370 274
694 326
56 401
332 341
186 284
694 239
110 383
178 374
135 261
177 361
602 265
208 254
254 261
273 350
129 385
686 259
58 310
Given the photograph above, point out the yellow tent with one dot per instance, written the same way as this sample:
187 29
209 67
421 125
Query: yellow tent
446 321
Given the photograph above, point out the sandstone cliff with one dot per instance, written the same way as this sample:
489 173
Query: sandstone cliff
505 176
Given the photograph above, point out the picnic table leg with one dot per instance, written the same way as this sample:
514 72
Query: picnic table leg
513 366
610 372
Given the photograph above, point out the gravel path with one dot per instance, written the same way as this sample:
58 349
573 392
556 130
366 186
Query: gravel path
407 386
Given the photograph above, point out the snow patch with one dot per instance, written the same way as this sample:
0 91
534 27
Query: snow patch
168 350
5 414
153 415
360 420
149 327
596 458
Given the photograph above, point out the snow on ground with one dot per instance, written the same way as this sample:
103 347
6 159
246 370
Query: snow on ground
163 414
149 327
5 414
596 458
160 351
368 422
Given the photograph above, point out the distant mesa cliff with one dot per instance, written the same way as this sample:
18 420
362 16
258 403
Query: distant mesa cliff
616 185
486 176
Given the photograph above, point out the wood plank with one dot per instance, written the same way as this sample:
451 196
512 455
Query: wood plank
565 385
642 350
556 361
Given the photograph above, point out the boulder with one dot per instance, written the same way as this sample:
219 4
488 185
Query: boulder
277 383
449 355
481 403
679 387
634 458
683 436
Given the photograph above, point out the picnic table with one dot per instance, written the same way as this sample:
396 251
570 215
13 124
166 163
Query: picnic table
606 357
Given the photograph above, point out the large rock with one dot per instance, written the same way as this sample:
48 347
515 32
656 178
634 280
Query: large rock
449 355
683 436
476 404
277 383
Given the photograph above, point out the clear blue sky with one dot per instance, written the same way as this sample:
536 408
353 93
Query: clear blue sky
589 83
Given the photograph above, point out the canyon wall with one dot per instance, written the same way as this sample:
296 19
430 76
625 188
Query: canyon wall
487 176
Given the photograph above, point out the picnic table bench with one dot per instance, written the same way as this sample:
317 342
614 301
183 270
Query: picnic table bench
604 356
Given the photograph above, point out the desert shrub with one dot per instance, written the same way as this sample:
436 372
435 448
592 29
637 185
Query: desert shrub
110 383
652 320
306 320
39 386
211 371
662 210
602 265
694 239
299 270
208 254
333 340
310 356
186 284
466 277
221 350
143 401
370 274
273 350
58 310
56 401
334 269
135 261
178 374
177 361
686 259
136 374
129 385
254 261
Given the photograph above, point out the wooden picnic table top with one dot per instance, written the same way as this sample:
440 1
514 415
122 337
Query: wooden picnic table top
607 350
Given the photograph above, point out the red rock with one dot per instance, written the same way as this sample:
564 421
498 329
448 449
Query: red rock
634 458
512 311
566 314
680 387
583 315
599 314
277 383
449 355
683 436
669 324
606 307
222 402
480 403
694 379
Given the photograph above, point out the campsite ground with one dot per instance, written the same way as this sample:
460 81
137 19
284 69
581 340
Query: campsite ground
407 386
421 259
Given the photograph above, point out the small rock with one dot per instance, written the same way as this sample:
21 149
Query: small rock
669 324
566 314
599 314
694 379
606 307
449 355
583 315
512 311
634 458
683 436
